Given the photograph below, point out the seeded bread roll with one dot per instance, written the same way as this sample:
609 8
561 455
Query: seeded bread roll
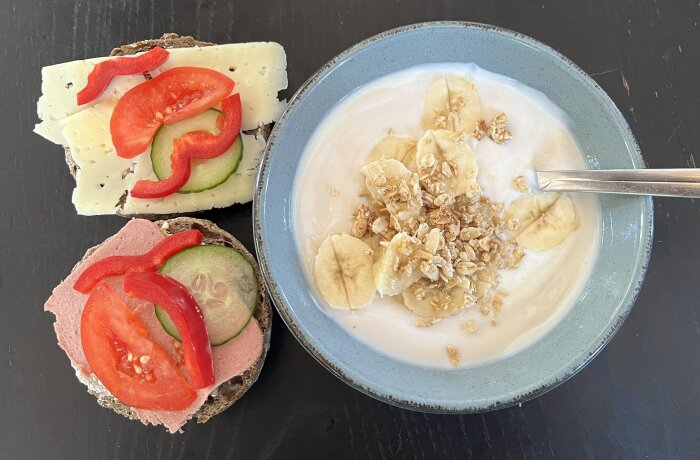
168 40
232 390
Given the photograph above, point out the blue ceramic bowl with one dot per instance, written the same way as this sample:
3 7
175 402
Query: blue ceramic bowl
607 298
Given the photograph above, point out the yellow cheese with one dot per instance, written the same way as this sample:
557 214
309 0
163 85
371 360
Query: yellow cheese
259 70
237 189
60 84
103 177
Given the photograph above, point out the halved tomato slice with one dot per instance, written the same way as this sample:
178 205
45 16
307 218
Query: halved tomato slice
174 95
136 370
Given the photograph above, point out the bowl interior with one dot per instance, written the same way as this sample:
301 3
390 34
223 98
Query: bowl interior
606 142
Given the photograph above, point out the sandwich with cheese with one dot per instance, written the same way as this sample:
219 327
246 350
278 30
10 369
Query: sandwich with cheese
164 126
165 321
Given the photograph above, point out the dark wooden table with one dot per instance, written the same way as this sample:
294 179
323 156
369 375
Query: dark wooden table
640 398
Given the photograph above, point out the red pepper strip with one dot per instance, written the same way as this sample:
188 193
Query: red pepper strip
181 169
102 74
184 312
150 261
204 145
196 144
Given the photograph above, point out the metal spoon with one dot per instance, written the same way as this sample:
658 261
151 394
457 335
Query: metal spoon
683 183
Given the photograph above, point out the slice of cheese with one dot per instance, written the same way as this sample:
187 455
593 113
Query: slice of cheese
103 178
259 70
60 84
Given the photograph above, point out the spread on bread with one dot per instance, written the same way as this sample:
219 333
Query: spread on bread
120 120
160 321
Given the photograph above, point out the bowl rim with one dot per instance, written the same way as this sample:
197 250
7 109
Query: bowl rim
604 337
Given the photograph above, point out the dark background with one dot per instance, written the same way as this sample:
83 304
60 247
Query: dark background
639 398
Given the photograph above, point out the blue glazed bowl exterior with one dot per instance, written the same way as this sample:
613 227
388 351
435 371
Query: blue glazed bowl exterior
608 297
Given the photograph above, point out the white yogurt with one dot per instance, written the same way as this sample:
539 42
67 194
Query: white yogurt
542 289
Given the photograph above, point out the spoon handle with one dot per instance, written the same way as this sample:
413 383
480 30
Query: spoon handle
658 182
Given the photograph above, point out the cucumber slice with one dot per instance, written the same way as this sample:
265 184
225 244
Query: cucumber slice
205 174
224 284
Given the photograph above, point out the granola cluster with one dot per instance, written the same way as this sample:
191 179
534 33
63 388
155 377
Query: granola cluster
453 355
497 130
519 184
451 246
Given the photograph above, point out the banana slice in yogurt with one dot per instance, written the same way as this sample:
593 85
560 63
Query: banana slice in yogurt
452 103
430 302
541 221
398 266
343 271
393 184
398 148
448 161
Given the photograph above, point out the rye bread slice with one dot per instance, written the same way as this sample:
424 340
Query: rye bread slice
167 41
222 397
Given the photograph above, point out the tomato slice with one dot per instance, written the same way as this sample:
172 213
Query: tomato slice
184 312
136 370
174 95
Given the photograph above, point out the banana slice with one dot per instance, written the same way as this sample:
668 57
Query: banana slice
443 157
430 302
452 103
541 221
399 265
343 270
398 148
390 182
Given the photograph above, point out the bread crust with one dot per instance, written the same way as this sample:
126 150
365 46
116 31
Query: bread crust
226 394
168 40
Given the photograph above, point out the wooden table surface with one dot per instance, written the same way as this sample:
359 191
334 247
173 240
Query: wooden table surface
640 398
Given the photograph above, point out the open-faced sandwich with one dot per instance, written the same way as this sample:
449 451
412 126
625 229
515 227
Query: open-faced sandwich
165 321
157 133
